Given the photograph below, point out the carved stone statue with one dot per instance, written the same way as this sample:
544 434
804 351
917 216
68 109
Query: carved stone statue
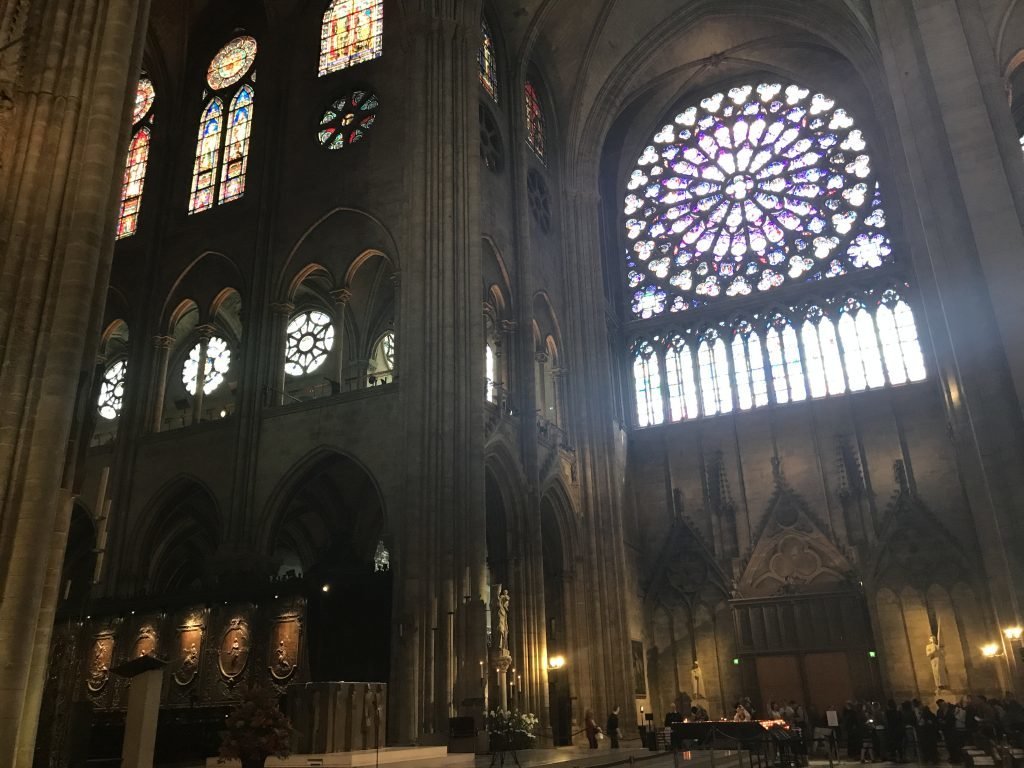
937 657
503 601
698 681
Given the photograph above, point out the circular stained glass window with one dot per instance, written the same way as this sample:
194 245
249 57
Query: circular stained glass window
310 338
144 96
112 390
746 191
348 119
218 361
231 62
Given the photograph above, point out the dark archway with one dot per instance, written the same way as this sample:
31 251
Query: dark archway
327 531
183 541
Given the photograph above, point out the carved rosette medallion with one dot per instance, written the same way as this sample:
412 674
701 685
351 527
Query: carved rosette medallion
99 662
283 650
146 642
190 644
233 654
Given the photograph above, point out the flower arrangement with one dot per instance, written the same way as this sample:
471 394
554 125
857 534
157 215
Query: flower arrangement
256 729
511 730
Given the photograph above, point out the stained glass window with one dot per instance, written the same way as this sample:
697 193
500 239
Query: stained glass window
683 398
647 379
218 361
745 191
534 119
381 368
231 63
222 146
236 145
489 374
204 171
352 32
348 119
814 350
487 61
112 390
310 339
138 155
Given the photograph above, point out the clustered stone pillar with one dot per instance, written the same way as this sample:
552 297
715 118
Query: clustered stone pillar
60 172
440 547
162 353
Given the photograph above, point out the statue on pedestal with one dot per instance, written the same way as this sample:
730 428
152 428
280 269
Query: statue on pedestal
937 657
503 601
698 681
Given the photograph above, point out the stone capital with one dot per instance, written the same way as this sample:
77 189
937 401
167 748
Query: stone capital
282 308
342 296
206 331
508 326
163 342
541 357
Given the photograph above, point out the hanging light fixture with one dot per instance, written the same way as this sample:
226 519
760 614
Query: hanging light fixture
381 558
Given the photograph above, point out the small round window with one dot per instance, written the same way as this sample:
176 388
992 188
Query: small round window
310 338
348 119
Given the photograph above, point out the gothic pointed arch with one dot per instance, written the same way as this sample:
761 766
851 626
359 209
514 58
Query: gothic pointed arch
178 537
327 510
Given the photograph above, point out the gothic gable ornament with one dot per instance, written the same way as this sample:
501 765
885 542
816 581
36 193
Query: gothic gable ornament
99 662
283 651
189 646
233 654
792 553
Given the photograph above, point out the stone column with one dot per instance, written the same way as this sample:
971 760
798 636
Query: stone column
440 338
961 166
161 359
205 333
61 165
280 313
341 297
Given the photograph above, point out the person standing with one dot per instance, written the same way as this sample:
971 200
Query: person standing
590 726
612 728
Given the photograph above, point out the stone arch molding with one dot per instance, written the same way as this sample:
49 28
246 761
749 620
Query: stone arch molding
792 552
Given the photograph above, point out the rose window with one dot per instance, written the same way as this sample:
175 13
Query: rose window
218 361
747 191
112 390
348 119
310 338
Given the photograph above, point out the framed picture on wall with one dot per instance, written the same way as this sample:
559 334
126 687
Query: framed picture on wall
639 675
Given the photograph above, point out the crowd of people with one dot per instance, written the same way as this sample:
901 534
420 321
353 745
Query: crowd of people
914 731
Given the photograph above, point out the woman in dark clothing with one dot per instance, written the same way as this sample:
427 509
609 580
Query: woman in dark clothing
894 733
928 735
613 728
851 728
590 726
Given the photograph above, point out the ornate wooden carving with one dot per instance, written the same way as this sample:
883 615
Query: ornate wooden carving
233 654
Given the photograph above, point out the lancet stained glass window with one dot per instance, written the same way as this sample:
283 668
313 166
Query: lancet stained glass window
849 342
748 190
138 156
534 119
310 339
112 390
222 145
487 61
351 33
